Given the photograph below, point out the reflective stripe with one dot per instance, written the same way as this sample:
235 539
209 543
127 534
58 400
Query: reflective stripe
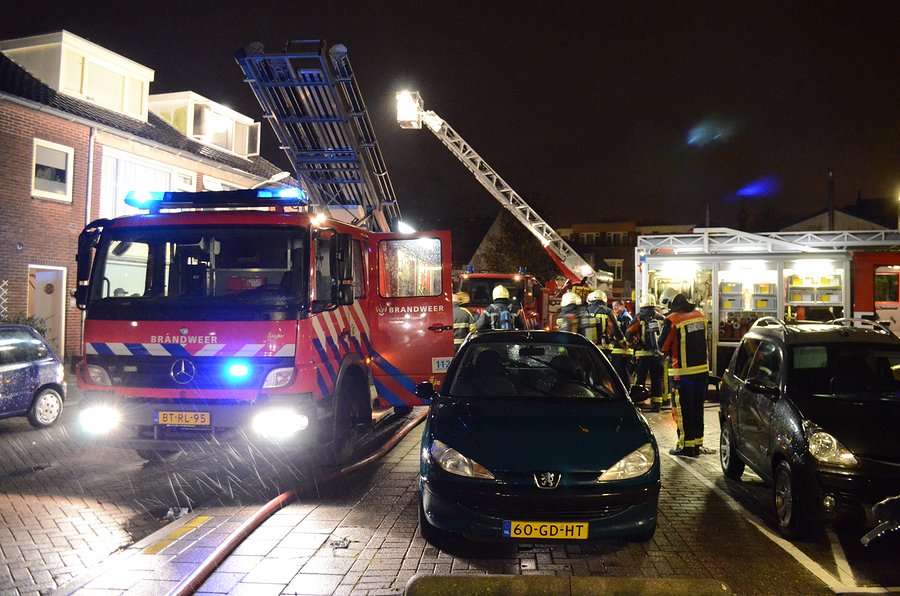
621 351
690 370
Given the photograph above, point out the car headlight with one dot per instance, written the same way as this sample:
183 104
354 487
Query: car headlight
97 375
279 378
826 448
99 419
451 460
637 463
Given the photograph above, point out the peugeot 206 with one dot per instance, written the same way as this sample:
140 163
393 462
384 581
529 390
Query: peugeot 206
532 436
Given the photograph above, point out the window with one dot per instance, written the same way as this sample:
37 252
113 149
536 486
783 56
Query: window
766 364
616 266
743 356
359 271
887 288
616 238
52 171
410 268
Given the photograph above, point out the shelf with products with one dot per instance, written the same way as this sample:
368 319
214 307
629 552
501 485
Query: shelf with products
733 324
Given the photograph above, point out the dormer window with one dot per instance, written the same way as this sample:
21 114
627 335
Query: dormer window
208 122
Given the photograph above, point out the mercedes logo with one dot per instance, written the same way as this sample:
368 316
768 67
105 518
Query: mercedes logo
547 479
182 371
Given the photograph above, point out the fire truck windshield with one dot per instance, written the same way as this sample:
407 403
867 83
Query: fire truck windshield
480 289
209 273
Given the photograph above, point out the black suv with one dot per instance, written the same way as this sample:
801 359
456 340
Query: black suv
814 409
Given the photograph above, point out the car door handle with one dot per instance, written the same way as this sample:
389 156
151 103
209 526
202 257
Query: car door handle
440 328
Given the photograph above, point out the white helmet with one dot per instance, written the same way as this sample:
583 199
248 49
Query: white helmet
500 291
569 298
597 295
665 298
648 300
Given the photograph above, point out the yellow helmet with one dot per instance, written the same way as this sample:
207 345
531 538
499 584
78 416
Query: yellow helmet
648 300
597 295
569 298
462 298
500 291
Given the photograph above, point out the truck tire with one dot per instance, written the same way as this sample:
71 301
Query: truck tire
350 412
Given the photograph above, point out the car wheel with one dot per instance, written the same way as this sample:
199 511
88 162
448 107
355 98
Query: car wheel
732 464
46 408
787 500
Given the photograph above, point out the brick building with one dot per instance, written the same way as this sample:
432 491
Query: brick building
78 130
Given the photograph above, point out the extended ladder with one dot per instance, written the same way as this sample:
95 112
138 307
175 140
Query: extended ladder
317 112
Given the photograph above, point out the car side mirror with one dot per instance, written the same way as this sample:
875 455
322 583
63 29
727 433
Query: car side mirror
425 390
763 386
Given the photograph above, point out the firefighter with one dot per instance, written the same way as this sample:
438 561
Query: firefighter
644 335
570 314
624 353
500 314
605 332
463 319
683 340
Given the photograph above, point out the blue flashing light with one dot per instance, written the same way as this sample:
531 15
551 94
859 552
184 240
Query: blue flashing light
762 187
522 269
290 192
470 269
237 370
143 198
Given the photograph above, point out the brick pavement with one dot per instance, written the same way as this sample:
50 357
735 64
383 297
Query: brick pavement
361 537
66 505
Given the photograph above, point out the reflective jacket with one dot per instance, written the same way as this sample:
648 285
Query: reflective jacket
603 328
570 319
684 342
463 324
644 332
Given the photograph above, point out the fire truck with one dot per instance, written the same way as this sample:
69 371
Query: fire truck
525 292
279 313
411 114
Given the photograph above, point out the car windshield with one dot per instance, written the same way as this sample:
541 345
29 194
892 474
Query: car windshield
221 272
532 370
846 371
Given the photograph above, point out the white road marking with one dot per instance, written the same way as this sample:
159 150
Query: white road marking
840 559
839 586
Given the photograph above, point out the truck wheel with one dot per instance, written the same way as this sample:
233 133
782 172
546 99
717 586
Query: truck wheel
348 414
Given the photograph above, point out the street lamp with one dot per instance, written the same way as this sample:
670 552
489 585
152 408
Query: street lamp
276 177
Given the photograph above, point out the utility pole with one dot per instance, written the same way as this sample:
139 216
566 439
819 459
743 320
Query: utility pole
830 200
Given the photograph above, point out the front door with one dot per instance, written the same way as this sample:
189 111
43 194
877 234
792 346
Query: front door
411 314
46 300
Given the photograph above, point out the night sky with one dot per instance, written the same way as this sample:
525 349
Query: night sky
593 112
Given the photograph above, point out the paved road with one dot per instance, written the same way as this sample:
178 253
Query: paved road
65 506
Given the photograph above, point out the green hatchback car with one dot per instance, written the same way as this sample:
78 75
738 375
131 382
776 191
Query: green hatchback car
533 436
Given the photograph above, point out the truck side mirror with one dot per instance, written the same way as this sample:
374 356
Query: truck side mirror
342 268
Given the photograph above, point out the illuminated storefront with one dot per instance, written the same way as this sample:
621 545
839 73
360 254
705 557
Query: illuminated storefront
736 277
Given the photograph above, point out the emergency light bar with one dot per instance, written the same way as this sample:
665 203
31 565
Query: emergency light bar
261 197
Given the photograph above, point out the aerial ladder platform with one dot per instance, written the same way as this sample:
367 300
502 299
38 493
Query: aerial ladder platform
411 114
313 102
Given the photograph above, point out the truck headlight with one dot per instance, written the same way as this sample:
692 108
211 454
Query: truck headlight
279 423
279 377
99 419
97 375
826 448
637 463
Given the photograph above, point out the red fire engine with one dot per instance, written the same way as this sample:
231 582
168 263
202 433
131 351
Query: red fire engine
524 291
278 321
274 312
